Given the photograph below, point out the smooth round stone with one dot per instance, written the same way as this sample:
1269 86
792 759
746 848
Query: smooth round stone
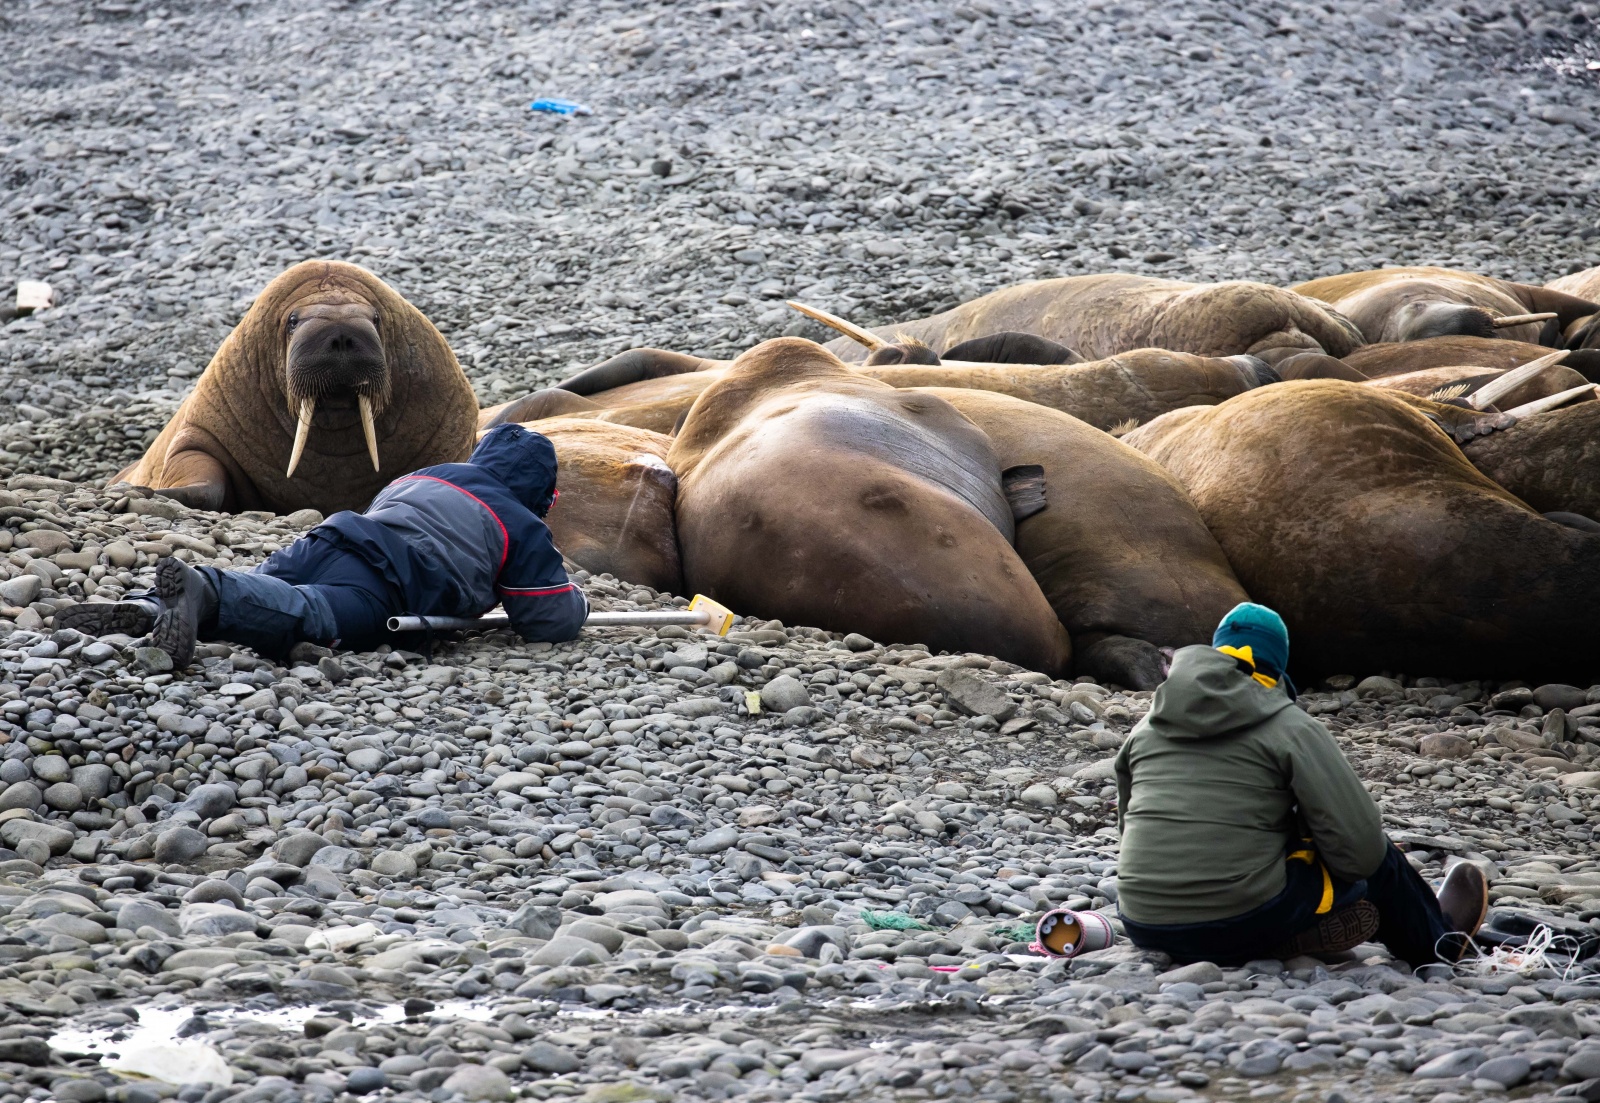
364 1080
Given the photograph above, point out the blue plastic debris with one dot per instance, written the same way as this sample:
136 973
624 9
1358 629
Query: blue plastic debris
559 107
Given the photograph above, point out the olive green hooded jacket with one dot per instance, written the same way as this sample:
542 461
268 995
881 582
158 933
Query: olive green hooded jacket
1217 783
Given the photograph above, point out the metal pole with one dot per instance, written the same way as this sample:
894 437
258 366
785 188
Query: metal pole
500 620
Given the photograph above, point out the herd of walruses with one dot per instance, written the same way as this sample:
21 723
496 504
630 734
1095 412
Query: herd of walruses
1076 475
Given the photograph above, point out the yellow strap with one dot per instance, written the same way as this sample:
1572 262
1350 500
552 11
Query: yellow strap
1309 856
1248 655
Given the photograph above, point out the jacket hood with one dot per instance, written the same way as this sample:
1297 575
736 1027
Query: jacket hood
1207 695
523 460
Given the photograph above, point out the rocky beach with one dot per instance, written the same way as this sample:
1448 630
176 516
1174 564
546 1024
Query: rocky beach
785 864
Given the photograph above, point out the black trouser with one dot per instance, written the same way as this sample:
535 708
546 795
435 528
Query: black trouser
313 590
1410 923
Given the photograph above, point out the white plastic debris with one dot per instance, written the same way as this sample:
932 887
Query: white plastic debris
340 939
176 1062
34 295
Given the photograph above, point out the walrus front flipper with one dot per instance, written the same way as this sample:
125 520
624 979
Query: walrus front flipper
1574 521
1012 348
1120 660
549 402
197 479
633 366
1024 489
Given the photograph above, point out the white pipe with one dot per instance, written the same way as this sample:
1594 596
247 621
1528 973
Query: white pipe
500 620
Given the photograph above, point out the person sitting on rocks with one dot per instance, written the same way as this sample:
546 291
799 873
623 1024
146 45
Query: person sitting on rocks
450 540
1246 834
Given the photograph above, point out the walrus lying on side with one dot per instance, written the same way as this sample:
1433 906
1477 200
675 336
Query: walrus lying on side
616 511
1118 549
1499 388
1346 509
1104 315
329 377
1136 385
1405 304
1400 357
810 493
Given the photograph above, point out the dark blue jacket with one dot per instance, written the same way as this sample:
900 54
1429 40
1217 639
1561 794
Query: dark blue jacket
456 539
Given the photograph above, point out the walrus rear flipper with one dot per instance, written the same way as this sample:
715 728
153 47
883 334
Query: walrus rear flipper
1574 521
633 366
1024 489
549 402
1012 348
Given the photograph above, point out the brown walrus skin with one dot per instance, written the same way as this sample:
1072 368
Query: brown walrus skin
1404 304
809 493
333 333
1400 357
1344 508
1137 385
1549 460
1119 550
616 512
1104 315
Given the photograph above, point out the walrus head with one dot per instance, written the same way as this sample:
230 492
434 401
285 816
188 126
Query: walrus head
334 362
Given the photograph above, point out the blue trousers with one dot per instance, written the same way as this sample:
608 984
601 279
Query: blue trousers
312 591
1410 923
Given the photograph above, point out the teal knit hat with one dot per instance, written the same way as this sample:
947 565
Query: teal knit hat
1260 629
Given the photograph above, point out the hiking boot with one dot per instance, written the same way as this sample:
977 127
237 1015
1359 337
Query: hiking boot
1334 932
105 618
1464 898
189 602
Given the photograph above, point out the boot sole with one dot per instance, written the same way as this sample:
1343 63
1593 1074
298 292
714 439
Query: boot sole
174 631
107 618
1334 933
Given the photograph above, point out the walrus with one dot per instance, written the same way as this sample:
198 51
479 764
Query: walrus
1400 357
1104 315
1467 382
615 514
1405 304
330 386
1118 549
810 493
1581 333
1137 385
1350 512
1549 460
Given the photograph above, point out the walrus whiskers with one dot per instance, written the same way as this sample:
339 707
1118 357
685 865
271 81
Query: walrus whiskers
1521 319
1496 389
860 336
1554 401
369 429
308 406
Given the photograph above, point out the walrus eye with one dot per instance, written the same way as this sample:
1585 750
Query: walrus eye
294 320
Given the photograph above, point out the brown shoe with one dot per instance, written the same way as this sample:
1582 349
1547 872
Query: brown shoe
1464 899
1334 932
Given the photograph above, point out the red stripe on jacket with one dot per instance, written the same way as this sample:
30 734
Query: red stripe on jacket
505 537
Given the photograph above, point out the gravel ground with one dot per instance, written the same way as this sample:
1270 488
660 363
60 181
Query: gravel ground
592 870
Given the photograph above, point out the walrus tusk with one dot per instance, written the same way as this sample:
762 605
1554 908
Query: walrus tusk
1551 402
308 406
1520 320
860 336
1496 389
369 430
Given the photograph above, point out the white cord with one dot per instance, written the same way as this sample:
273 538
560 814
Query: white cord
1531 956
